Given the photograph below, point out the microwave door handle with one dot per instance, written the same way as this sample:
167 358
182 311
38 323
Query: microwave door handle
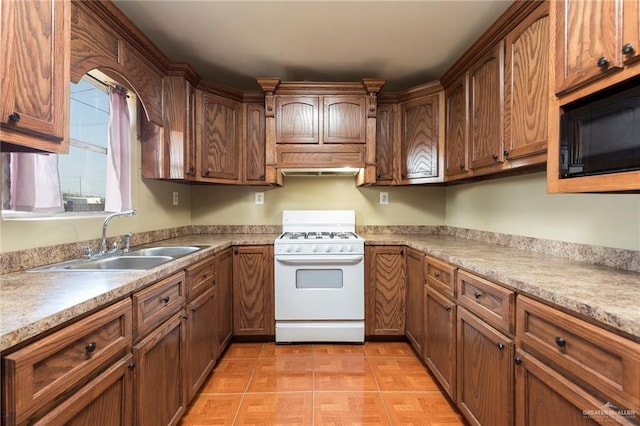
350 260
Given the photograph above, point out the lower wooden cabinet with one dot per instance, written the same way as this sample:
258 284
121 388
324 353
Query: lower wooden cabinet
201 344
543 397
384 290
485 372
224 299
440 339
159 390
253 293
414 325
106 400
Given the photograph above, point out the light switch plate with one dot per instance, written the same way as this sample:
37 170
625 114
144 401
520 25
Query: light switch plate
259 197
384 198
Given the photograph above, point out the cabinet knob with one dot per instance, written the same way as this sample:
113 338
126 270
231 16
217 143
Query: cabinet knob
207 173
517 360
628 49
447 308
436 274
191 171
166 299
603 62
495 157
91 347
131 366
500 346
477 295
378 175
461 166
560 342
506 153
261 177
14 117
193 309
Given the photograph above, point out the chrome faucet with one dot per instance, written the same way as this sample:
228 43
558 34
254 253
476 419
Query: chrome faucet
103 244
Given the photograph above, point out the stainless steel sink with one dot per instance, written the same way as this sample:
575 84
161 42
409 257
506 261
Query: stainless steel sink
172 251
136 260
121 263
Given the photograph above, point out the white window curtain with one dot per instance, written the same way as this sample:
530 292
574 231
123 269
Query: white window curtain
35 183
118 193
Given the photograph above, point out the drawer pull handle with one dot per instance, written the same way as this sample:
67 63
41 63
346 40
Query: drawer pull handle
131 366
166 299
14 117
477 295
447 308
193 309
500 345
561 342
517 360
436 274
603 62
90 347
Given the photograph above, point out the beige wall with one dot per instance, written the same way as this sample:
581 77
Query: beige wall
230 205
521 206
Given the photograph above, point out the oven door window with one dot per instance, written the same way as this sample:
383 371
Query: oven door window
319 278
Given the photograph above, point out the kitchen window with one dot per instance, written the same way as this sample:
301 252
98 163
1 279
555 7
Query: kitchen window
75 183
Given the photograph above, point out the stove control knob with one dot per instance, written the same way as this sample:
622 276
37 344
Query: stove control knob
314 248
349 248
341 249
327 248
297 249
289 248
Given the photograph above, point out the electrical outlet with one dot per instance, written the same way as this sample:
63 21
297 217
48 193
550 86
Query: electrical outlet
175 198
384 198
259 197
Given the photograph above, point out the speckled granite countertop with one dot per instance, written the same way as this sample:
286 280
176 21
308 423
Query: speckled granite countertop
33 302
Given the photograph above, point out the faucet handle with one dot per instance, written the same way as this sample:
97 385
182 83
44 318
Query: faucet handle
88 251
127 241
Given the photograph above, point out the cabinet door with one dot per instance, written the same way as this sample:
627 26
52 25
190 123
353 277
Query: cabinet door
34 74
218 133
224 312
526 90
440 339
485 372
543 396
486 79
345 119
414 323
419 142
201 340
297 119
385 141
159 385
385 291
253 303
588 41
457 136
255 144
107 400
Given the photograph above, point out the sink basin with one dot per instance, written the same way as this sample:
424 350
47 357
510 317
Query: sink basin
123 263
171 251
136 260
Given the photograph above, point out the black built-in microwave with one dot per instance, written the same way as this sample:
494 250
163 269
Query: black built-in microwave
601 134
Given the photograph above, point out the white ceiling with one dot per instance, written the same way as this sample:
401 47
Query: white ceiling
233 42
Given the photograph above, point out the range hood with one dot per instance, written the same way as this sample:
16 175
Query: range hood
320 171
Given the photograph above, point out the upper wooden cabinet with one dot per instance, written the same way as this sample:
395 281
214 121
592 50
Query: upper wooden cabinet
594 39
386 140
486 110
168 151
420 150
526 89
457 139
254 144
320 125
34 75
218 132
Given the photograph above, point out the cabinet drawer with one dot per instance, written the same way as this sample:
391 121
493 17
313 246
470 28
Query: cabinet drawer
200 277
36 375
440 276
603 361
491 302
155 304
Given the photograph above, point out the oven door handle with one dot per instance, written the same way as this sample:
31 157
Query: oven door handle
342 260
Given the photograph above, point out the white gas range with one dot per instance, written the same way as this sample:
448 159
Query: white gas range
319 277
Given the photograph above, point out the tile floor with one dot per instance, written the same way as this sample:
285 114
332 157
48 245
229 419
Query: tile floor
372 384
